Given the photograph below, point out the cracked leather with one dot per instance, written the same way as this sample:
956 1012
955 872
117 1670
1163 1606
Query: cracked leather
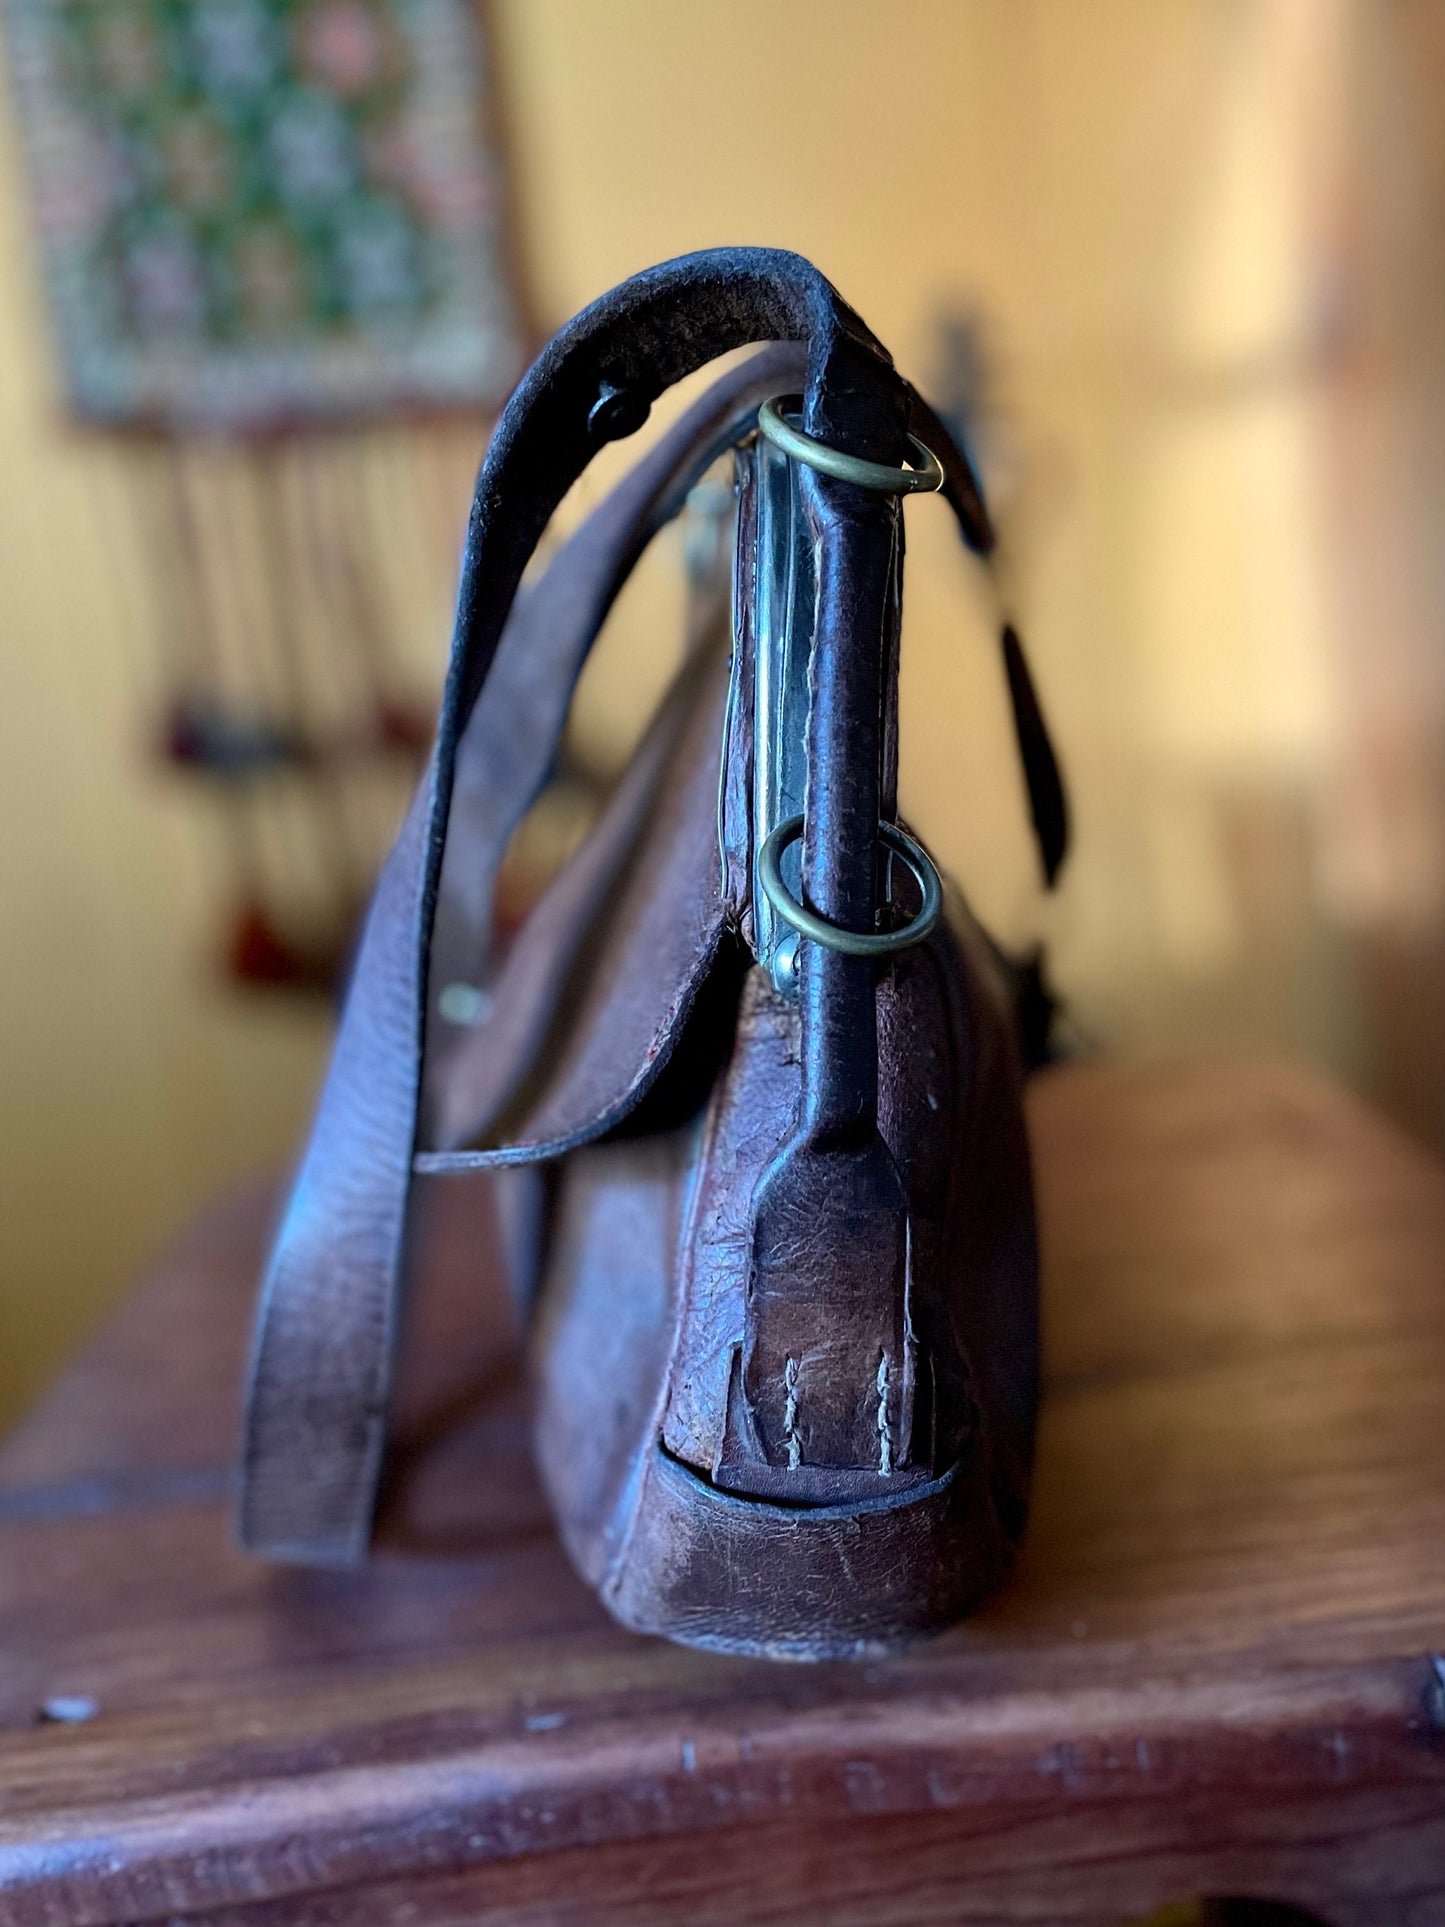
786 1341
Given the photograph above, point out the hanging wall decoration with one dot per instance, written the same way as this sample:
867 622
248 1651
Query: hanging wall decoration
274 241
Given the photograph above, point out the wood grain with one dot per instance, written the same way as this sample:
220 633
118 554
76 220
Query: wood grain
1210 1671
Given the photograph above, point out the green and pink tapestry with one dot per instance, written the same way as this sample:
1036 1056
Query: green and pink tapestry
258 214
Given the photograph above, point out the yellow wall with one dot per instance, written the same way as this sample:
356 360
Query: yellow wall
1127 192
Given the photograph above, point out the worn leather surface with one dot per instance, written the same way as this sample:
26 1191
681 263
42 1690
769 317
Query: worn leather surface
638 1389
618 1008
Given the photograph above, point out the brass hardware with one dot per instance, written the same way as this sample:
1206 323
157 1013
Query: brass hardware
854 943
923 479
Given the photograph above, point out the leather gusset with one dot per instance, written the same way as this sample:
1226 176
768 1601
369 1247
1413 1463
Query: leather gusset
938 1013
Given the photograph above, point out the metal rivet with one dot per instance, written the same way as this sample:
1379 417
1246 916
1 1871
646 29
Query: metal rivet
616 412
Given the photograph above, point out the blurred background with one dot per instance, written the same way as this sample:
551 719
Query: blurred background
1179 261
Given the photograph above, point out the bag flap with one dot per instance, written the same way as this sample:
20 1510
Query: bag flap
597 987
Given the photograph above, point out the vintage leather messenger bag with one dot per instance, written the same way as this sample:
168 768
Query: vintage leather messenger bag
751 1070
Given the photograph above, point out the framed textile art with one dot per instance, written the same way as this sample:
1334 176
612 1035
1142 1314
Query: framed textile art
266 225
266 214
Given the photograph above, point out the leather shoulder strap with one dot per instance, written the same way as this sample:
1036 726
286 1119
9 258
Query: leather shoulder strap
321 1365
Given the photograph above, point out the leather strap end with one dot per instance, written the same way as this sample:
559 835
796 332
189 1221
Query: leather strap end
1048 800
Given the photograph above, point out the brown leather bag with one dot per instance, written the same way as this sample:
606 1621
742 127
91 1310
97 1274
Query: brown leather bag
752 1074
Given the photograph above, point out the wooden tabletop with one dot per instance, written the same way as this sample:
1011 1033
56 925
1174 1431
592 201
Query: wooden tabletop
1210 1670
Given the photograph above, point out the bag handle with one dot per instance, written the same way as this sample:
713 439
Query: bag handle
322 1358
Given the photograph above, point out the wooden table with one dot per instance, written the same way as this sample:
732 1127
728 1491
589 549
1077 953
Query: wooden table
1210 1673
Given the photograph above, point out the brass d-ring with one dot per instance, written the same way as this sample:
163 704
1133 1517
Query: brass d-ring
922 479
853 943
